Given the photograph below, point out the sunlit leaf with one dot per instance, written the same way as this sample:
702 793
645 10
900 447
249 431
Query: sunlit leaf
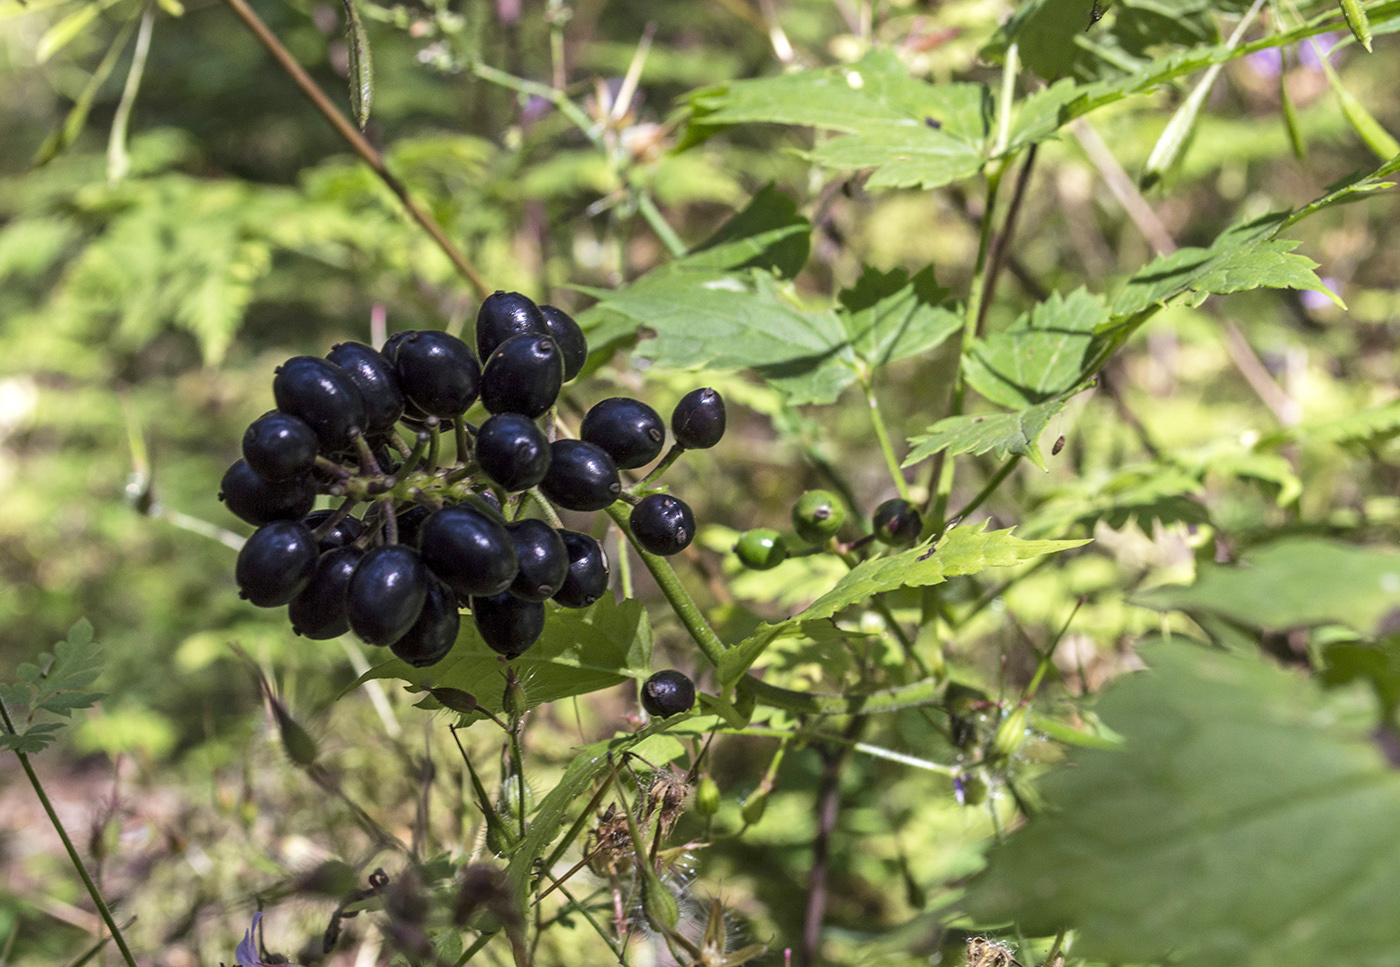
1040 355
1001 434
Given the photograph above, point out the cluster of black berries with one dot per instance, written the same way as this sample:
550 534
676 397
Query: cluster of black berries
817 518
438 537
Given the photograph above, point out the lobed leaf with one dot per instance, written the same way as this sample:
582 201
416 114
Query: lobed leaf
1003 434
1242 825
1041 355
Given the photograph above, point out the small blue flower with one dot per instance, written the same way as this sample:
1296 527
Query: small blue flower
247 953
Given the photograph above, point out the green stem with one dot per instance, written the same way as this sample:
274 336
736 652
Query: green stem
670 583
672 455
883 436
481 941
929 691
1002 473
93 892
550 514
562 103
659 225
517 762
587 915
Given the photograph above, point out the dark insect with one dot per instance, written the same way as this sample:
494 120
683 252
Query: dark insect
1059 445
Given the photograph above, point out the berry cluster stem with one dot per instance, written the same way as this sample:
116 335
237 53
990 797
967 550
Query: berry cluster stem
78 864
676 594
883 435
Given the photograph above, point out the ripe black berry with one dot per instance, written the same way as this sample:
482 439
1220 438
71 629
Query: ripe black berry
570 338
260 501
391 345
513 451
628 429
410 523
434 633
587 579
318 612
438 373
473 553
897 523
544 560
321 393
275 563
523 375
668 693
697 422
279 446
581 476
508 624
373 375
343 532
817 516
663 524
386 593
506 314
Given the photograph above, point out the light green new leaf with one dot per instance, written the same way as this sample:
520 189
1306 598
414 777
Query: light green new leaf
963 550
912 133
1041 355
361 72
1241 826
1003 434
1243 257
889 316
581 651
1292 583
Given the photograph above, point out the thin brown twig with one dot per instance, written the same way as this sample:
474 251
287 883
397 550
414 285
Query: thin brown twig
357 142
1001 244
828 805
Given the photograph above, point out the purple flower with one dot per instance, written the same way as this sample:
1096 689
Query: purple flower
1313 301
247 953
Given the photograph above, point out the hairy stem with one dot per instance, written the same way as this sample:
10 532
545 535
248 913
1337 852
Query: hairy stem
77 860
358 144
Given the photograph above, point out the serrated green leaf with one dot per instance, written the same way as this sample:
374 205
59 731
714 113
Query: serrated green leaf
1003 434
1145 494
1246 256
1366 426
890 316
581 651
1241 826
1349 188
1292 583
963 550
34 739
361 67
768 234
1041 355
912 133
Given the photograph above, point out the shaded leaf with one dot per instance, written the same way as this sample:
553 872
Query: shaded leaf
1368 426
1291 583
889 316
1378 664
1145 495
1241 825
52 685
581 651
768 234
1040 355
1002 434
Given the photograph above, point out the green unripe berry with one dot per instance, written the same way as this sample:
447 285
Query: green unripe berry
755 806
817 516
707 797
761 549
662 908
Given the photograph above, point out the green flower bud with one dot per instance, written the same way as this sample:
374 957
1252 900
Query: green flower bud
301 747
755 806
513 702
707 797
661 906
1011 732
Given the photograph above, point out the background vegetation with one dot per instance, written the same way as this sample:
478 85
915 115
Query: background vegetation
176 219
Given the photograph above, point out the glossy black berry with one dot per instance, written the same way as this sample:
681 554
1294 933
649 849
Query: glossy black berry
341 533
663 524
587 579
410 523
628 429
817 516
391 345
279 446
543 558
897 523
434 633
506 314
570 338
513 451
581 476
260 501
321 393
373 375
508 624
523 375
469 550
438 373
697 422
318 612
386 593
668 693
275 563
